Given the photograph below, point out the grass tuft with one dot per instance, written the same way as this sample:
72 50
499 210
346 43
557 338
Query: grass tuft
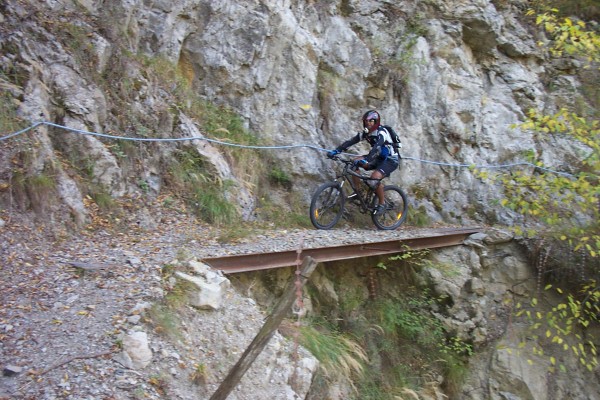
341 357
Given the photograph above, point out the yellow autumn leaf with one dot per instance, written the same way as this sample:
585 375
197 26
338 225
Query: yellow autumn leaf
534 301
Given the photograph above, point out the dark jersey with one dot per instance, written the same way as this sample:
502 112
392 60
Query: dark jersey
380 141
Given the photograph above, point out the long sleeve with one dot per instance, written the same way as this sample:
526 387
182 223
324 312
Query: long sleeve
350 142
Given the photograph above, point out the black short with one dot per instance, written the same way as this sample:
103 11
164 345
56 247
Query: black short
386 166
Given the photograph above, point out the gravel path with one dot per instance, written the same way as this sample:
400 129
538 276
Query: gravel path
59 326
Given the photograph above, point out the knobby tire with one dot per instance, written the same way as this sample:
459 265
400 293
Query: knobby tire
396 209
327 205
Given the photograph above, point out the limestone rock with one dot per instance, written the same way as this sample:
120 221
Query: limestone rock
498 236
136 350
210 287
11 370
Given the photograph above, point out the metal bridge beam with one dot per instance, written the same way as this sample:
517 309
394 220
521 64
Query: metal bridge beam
259 261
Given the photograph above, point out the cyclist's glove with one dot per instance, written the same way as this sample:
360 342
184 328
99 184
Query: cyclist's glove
360 163
332 153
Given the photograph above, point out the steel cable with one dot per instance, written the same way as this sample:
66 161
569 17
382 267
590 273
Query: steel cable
286 147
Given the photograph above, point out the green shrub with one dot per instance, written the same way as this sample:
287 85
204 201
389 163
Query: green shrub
37 189
404 341
418 217
103 199
211 205
279 177
9 122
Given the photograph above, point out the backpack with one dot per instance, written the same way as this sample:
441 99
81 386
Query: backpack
396 143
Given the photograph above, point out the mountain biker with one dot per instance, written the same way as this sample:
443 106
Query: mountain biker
382 159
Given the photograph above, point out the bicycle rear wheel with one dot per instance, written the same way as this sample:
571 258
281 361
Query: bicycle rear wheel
327 205
395 211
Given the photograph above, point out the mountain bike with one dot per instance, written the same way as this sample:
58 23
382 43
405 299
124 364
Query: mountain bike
328 203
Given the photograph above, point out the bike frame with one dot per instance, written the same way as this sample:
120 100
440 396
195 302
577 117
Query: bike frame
344 177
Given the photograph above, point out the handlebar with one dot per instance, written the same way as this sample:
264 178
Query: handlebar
342 160
338 158
347 164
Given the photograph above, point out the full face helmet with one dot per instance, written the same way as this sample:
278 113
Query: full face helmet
374 116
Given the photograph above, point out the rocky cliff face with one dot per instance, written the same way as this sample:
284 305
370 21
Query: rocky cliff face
452 77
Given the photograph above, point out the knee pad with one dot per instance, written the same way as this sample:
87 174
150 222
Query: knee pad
373 183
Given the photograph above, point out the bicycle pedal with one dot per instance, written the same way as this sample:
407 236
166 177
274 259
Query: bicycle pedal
380 209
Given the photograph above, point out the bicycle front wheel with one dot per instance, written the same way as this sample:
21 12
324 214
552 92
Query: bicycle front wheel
327 205
396 209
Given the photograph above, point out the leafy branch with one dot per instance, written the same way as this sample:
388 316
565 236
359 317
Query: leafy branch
565 325
569 37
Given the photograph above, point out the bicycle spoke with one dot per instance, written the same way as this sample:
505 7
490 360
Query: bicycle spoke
327 206
395 212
